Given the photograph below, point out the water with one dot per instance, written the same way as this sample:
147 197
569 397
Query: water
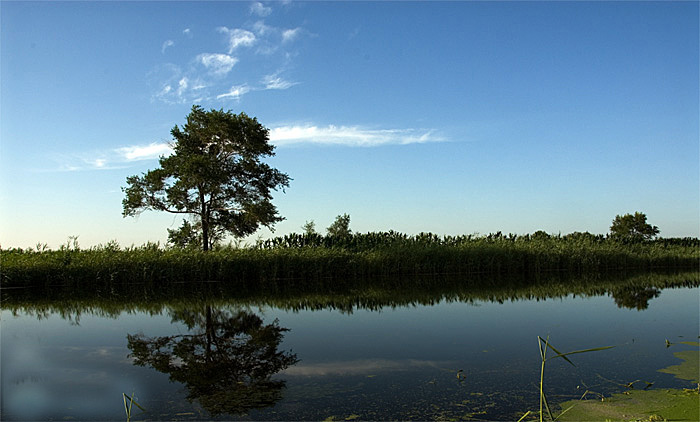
232 359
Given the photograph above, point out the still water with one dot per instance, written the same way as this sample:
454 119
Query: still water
226 359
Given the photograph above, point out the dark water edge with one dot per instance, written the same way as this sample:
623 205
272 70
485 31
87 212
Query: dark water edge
628 289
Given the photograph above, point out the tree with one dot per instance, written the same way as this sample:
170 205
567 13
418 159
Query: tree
632 228
215 175
340 227
309 228
226 360
186 236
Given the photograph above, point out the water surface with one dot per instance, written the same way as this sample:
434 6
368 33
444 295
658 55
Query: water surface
447 356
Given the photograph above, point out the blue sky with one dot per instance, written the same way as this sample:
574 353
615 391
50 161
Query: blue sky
454 117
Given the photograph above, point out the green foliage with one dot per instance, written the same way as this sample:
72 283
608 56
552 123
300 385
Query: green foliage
357 256
340 227
187 236
632 228
309 228
215 175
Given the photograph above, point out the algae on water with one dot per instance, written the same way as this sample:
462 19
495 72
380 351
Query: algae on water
646 405
689 369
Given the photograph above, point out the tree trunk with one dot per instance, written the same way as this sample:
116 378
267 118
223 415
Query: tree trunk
205 235
205 222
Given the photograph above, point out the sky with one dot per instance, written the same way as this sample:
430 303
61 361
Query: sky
444 117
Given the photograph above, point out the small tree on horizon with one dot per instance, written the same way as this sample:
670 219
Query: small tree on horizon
340 227
215 175
632 228
309 228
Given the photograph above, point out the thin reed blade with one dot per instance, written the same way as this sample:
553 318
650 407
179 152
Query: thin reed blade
546 406
524 416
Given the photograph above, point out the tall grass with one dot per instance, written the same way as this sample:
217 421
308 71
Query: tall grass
300 258
544 344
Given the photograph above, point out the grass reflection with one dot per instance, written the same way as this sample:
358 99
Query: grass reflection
633 291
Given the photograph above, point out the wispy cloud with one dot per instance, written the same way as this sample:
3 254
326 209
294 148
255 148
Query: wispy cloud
350 136
259 9
143 152
218 64
213 76
274 81
289 35
117 158
235 93
261 29
237 37
166 44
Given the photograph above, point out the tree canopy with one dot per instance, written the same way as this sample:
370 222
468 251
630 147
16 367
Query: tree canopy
215 175
632 228
340 227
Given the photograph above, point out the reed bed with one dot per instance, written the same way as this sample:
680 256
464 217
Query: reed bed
308 260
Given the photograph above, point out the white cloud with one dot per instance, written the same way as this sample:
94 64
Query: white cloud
218 64
206 76
112 159
145 152
290 34
166 89
275 82
281 136
259 9
349 136
236 92
166 44
182 85
361 367
237 37
261 29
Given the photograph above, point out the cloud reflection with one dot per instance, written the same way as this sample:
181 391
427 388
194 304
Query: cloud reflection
363 367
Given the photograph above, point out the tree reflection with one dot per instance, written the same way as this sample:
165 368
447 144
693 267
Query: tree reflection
226 360
635 297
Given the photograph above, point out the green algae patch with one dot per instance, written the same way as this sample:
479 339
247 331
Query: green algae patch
689 369
645 405
637 405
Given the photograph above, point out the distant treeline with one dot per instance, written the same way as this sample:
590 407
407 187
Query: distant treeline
307 260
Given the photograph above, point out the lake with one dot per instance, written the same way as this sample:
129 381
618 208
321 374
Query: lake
450 354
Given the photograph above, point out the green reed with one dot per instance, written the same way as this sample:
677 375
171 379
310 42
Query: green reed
128 406
315 257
